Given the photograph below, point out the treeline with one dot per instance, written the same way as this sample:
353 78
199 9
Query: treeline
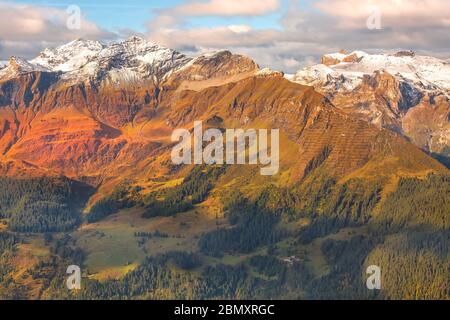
7 242
43 204
122 197
51 270
9 289
329 205
194 189
155 279
417 203
185 260
408 239
346 277
336 206
252 226
181 275
414 265
414 222
268 265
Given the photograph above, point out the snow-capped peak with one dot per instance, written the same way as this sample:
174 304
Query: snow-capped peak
23 65
336 58
346 71
266 72
70 56
133 59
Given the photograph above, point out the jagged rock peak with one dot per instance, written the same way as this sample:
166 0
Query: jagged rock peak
17 66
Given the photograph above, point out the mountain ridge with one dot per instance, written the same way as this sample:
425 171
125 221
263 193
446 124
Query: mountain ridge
403 92
91 121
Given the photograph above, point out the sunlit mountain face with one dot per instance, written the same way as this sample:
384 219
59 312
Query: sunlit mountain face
148 169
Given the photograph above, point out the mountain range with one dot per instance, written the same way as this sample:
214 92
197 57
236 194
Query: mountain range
362 135
106 98
403 92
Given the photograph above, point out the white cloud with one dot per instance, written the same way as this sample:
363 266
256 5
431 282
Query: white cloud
26 29
225 8
214 37
241 28
421 25
394 13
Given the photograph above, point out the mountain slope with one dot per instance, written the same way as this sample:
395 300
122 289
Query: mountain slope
98 119
70 119
403 92
79 130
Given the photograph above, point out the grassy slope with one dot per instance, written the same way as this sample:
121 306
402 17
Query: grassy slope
112 246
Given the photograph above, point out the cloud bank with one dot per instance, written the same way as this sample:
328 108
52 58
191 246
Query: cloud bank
307 33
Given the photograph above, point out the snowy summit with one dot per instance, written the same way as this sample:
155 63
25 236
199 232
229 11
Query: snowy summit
346 71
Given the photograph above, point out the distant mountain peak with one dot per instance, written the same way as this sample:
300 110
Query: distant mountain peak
133 60
129 60
135 39
425 72
403 91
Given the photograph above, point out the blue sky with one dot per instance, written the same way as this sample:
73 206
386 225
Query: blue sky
134 14
112 14
281 34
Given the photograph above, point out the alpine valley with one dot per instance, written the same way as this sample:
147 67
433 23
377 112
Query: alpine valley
87 177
